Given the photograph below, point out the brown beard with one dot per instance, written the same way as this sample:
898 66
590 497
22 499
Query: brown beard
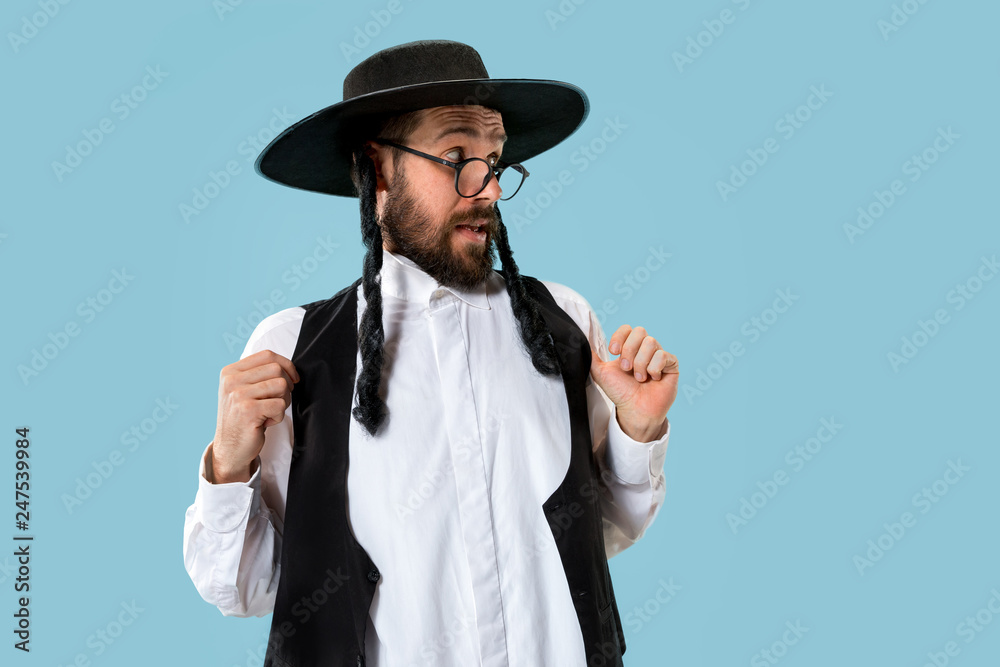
410 232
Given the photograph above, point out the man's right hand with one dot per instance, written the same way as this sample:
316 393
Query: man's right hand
254 393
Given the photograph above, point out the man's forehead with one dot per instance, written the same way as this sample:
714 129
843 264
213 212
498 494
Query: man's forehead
470 120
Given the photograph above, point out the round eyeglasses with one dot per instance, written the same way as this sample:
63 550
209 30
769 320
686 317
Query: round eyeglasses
473 174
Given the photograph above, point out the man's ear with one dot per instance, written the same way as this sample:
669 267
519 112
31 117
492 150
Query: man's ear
375 154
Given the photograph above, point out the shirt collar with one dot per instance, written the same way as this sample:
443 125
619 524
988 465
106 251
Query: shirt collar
403 279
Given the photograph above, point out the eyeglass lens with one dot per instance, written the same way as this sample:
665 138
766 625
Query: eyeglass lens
472 179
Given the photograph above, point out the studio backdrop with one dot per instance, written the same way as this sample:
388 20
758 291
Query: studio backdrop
797 199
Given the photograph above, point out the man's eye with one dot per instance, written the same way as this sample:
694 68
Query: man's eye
457 155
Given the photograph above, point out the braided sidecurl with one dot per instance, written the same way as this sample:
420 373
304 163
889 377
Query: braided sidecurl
534 334
371 410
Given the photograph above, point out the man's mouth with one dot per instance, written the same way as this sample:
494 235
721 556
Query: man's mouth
474 232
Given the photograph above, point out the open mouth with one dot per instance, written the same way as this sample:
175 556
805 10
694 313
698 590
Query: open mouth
474 232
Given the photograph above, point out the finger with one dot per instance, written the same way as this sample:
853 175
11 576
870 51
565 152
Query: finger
618 339
655 366
273 409
631 346
266 357
643 357
269 388
261 373
663 363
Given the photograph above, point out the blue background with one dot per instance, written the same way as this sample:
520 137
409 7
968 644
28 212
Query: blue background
682 127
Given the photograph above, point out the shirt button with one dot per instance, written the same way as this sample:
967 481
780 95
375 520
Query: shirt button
438 293
373 576
361 661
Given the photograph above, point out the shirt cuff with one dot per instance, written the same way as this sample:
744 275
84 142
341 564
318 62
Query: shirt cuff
226 507
631 461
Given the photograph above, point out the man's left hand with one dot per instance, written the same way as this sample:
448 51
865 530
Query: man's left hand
642 382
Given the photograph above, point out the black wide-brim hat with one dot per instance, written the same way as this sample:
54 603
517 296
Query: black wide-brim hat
315 153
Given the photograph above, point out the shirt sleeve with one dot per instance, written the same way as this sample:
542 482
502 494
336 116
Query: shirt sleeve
232 532
631 481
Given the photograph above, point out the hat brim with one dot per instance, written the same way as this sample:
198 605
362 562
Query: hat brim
315 153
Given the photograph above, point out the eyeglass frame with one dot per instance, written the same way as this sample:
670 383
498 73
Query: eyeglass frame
495 170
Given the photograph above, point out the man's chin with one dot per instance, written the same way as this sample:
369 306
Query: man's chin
472 265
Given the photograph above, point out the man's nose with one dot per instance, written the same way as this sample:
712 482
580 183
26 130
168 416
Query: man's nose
492 191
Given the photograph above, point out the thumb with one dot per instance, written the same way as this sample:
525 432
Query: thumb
598 368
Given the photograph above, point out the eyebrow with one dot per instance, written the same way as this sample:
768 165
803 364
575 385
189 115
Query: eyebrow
471 132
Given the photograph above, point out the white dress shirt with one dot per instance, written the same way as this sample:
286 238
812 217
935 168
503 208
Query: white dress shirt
447 501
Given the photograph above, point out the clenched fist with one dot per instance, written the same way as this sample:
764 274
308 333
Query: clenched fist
254 393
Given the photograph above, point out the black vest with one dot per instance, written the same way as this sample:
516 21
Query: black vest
328 580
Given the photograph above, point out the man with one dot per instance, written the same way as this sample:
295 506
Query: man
433 465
